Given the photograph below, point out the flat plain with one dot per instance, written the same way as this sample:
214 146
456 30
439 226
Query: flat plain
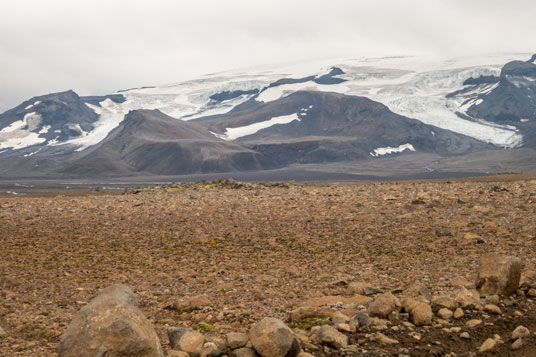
251 250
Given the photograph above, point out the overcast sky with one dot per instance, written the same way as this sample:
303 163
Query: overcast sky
99 46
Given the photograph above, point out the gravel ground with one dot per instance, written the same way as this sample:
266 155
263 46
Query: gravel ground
249 250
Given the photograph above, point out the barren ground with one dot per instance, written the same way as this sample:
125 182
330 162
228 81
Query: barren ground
254 250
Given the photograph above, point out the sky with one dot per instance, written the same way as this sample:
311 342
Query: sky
100 46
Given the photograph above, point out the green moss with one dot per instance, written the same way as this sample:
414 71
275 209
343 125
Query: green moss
308 322
203 327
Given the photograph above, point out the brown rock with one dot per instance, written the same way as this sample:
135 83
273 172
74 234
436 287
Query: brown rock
458 313
417 291
520 342
498 274
210 349
334 299
174 353
244 352
445 314
236 340
329 336
488 345
382 305
270 337
384 339
421 315
520 332
186 340
111 324
492 309
467 298
440 302
473 323
310 311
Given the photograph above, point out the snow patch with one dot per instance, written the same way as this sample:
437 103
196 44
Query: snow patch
523 120
235 133
20 134
274 93
32 105
389 150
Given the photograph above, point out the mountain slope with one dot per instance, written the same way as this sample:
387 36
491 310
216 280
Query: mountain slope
312 126
150 142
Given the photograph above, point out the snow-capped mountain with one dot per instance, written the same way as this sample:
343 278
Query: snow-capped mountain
321 111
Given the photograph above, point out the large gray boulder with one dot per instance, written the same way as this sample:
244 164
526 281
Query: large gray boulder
110 325
498 275
271 337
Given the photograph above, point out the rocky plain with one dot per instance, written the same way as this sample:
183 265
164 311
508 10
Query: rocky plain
407 268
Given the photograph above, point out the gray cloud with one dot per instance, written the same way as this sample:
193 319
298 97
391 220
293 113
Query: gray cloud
99 46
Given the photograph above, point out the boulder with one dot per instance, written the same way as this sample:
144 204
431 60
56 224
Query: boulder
184 339
273 338
111 324
498 274
361 321
382 305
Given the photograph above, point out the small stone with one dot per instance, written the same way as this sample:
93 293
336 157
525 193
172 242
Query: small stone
440 302
384 339
467 298
361 321
422 315
355 288
445 314
174 353
520 332
531 292
465 335
473 323
518 344
493 299
382 305
417 291
498 274
271 337
184 339
488 345
3 333
339 318
244 352
492 309
455 329
343 327
305 354
236 340
458 313
329 336
210 349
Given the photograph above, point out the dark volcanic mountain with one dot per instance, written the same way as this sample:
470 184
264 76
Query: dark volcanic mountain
282 119
334 127
150 142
